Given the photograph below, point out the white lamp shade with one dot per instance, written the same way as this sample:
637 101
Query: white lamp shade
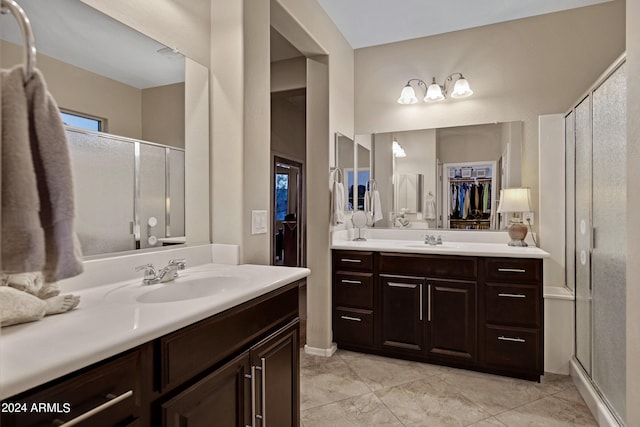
434 93
408 95
461 89
515 200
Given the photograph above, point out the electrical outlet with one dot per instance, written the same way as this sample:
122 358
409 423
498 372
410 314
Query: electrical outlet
528 217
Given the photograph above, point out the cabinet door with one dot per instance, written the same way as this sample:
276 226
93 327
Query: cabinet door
219 399
275 366
451 319
402 313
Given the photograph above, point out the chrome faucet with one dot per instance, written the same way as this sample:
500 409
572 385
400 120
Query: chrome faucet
166 274
432 239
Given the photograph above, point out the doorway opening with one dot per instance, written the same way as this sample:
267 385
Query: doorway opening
288 218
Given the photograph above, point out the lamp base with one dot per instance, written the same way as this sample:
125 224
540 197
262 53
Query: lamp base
517 232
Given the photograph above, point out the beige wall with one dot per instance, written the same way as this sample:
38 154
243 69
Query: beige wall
518 70
289 74
633 206
163 114
82 91
155 114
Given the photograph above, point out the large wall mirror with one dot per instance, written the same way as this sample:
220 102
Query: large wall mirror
129 171
427 175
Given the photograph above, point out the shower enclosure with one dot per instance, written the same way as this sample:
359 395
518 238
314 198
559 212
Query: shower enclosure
129 194
595 143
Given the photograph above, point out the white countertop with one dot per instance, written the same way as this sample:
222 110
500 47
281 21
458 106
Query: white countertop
447 248
109 321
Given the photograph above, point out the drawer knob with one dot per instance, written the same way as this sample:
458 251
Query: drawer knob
511 270
353 319
351 282
505 295
503 338
350 260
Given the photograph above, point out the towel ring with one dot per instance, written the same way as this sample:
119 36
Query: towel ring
372 185
27 35
337 175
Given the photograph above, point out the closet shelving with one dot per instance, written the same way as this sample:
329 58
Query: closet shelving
464 178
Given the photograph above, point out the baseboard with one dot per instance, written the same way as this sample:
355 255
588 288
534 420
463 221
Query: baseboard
325 352
596 405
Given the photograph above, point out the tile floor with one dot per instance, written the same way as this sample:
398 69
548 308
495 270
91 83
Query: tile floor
353 389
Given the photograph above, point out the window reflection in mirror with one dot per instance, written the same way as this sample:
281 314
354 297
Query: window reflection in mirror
136 85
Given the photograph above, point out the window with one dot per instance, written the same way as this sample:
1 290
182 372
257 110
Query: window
82 121
282 195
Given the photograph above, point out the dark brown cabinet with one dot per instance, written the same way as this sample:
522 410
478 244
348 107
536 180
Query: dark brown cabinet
259 385
513 327
477 313
108 394
239 367
402 314
451 319
219 399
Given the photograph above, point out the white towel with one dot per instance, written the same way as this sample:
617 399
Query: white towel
429 207
337 203
376 206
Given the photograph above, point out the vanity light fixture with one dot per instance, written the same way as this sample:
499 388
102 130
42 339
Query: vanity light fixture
436 92
516 200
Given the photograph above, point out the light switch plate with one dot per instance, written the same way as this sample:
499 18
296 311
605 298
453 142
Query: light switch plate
258 222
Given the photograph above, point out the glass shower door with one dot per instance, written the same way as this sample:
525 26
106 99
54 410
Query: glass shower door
583 233
610 241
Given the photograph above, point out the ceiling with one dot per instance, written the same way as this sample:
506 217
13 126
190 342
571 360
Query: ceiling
373 22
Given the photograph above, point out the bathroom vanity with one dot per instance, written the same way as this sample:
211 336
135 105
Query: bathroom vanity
229 358
469 305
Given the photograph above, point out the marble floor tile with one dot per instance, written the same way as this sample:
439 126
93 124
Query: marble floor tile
326 380
549 412
380 372
431 402
489 422
493 393
353 389
361 411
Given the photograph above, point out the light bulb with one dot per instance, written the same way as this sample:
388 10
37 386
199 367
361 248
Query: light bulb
434 92
408 95
461 89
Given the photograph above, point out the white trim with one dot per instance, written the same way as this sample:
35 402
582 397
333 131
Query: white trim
596 405
325 352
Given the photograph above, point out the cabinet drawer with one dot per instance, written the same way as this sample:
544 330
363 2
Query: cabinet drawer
193 349
352 260
441 266
518 269
517 348
103 395
354 289
516 305
353 326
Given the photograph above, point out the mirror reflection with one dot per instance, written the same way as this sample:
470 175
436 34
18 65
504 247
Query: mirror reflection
345 164
447 178
123 99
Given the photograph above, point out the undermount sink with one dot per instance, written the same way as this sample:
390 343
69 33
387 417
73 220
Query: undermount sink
181 289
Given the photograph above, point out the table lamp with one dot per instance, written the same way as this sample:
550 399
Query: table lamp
516 201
